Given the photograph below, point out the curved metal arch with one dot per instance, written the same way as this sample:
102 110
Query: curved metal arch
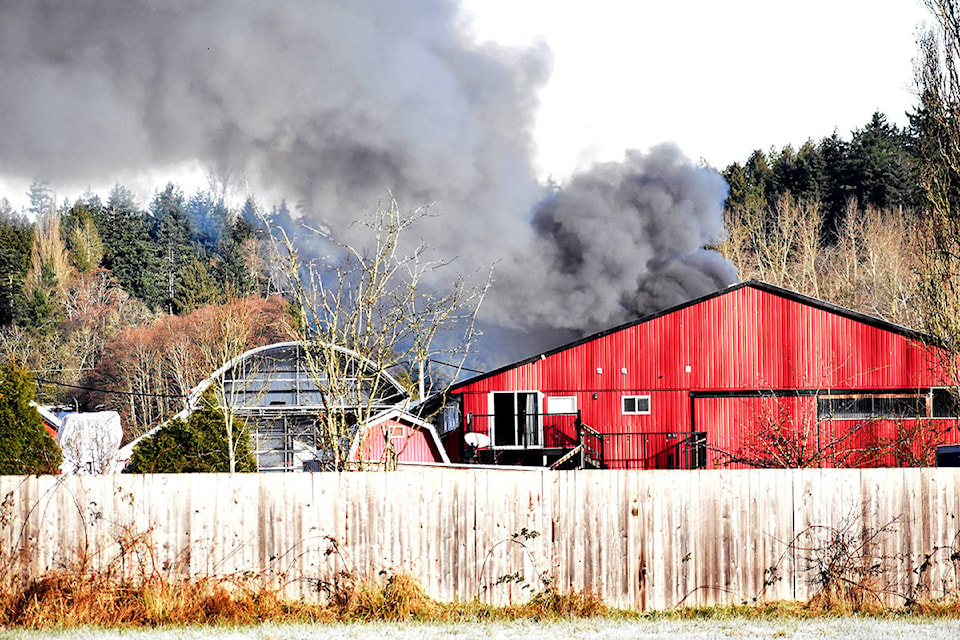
193 398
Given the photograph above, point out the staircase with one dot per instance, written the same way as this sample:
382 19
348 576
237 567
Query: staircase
589 450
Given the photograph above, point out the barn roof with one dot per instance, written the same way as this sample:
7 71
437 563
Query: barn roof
788 294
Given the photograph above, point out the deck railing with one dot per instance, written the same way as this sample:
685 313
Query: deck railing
528 431
636 450
662 450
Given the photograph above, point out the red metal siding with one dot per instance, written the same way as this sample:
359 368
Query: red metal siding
748 339
734 428
410 443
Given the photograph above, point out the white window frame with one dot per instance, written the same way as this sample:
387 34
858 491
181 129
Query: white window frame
493 425
636 398
572 408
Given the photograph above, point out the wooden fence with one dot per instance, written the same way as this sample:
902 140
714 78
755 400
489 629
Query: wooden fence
640 539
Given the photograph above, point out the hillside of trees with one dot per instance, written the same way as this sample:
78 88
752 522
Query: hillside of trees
117 307
836 219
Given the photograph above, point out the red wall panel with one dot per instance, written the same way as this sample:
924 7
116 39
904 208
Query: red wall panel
410 444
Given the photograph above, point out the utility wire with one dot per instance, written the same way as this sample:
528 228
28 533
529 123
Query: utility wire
457 366
119 393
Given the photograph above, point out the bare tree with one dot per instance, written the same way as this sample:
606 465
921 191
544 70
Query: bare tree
937 123
370 311
780 246
148 371
222 333
789 432
785 435
870 266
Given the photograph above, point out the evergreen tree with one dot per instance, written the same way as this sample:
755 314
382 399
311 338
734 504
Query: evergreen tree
128 250
749 183
196 288
875 168
208 218
16 249
83 239
880 165
25 445
42 199
837 188
171 232
759 178
195 445
40 313
235 270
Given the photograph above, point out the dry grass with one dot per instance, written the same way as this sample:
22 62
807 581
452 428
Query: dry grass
60 600
65 600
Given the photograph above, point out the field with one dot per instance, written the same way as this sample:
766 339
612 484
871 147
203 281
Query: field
854 628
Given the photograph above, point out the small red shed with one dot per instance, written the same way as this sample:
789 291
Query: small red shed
752 375
396 436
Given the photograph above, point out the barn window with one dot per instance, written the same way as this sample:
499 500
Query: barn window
451 417
561 404
872 407
636 405
945 403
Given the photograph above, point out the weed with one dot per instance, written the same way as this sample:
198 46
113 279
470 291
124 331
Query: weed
519 538
551 603
844 565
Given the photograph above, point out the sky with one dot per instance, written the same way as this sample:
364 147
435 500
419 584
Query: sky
719 78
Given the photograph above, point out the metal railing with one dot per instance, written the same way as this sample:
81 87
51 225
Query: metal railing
640 450
662 450
592 442
527 431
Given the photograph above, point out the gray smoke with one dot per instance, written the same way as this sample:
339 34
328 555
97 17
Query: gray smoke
620 240
331 103
328 103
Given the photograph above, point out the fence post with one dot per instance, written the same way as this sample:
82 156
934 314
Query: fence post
581 441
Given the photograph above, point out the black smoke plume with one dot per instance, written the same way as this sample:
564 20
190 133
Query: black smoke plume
620 240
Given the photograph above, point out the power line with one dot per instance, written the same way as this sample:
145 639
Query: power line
119 393
456 366
183 397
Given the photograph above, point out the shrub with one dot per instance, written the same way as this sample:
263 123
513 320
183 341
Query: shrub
195 445
25 445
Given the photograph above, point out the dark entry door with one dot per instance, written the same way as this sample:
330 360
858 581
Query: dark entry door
516 419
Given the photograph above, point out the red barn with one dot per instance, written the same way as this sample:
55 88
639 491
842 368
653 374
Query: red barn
752 375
